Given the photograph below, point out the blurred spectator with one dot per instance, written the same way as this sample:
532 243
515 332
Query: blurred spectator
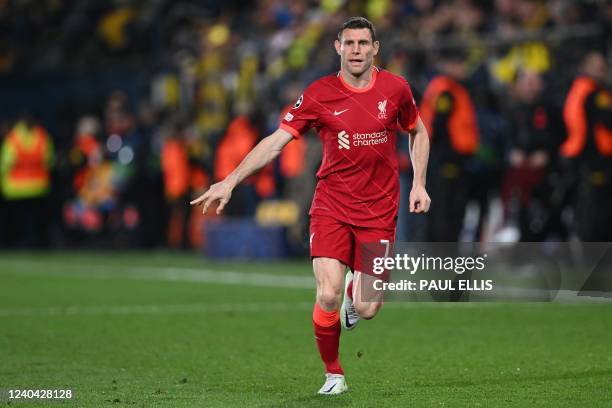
448 112
588 118
86 152
535 137
149 178
243 133
93 194
26 158
523 17
177 177
212 96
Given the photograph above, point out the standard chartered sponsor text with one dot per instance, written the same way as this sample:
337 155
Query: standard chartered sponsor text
369 139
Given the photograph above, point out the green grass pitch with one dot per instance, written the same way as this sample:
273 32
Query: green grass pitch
174 330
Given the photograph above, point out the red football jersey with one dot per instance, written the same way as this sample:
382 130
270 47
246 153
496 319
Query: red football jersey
358 181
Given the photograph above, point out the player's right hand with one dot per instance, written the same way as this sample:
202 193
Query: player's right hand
221 191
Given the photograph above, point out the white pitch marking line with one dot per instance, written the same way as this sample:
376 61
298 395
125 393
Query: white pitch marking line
173 274
102 310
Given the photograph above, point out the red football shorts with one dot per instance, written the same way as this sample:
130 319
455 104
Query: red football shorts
351 245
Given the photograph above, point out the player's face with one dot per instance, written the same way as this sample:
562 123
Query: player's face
356 50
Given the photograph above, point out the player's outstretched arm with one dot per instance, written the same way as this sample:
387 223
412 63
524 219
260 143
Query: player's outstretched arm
265 151
419 156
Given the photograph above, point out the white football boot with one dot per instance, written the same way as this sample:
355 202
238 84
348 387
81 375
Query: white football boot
348 315
334 384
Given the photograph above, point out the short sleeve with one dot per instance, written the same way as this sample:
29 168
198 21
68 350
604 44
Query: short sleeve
302 116
408 112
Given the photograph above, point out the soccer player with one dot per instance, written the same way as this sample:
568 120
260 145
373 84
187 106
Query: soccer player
357 112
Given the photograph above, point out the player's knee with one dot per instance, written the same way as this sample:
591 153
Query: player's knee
328 299
367 311
368 315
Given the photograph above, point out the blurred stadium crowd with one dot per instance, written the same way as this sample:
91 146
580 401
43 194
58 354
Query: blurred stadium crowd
114 113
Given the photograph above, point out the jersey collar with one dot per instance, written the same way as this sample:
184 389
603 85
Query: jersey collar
375 71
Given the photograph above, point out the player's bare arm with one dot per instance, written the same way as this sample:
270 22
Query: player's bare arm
263 153
419 155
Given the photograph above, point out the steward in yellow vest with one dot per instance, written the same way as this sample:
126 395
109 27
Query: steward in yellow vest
26 158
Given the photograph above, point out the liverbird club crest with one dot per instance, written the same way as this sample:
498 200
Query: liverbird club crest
382 109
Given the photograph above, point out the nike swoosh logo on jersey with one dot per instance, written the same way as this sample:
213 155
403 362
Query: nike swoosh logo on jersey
336 113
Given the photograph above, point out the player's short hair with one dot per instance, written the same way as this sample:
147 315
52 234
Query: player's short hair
358 22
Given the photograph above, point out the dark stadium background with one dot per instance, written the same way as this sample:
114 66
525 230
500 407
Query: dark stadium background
190 77
112 285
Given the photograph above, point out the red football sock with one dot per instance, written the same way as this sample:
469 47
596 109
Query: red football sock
327 332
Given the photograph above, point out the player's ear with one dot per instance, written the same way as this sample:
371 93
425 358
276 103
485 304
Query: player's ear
337 45
376 46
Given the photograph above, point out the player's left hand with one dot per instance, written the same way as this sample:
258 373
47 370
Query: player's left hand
419 199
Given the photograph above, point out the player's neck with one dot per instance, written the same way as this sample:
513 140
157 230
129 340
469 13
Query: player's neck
358 82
